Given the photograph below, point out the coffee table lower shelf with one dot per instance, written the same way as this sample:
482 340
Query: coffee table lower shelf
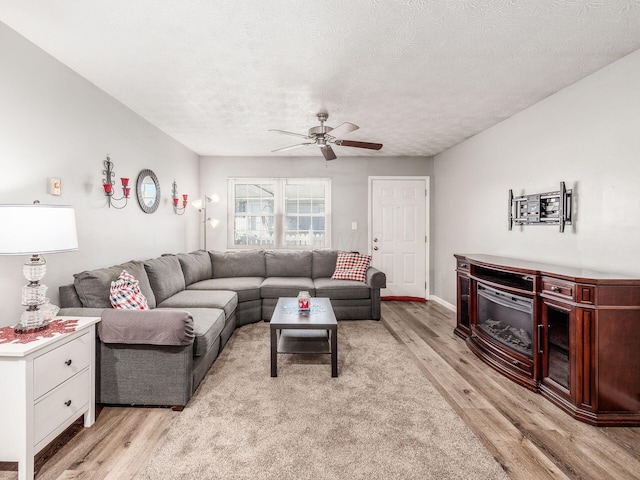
304 341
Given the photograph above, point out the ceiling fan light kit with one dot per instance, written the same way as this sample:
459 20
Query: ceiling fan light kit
323 135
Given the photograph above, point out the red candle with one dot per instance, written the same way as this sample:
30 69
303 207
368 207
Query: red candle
126 191
125 181
107 188
175 201
184 197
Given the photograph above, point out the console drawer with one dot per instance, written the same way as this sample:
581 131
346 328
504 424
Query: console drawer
56 366
463 265
61 404
558 288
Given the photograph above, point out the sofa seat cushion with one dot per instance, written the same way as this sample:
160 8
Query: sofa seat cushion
275 287
187 299
341 289
247 288
207 325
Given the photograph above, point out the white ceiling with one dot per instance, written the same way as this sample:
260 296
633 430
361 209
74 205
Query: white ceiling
418 76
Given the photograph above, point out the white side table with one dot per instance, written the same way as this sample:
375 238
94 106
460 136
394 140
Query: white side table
45 386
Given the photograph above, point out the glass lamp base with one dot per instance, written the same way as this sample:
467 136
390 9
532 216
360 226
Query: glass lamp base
31 320
33 295
22 329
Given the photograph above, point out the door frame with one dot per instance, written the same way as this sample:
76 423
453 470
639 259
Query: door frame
427 244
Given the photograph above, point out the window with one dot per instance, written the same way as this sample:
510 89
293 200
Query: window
279 213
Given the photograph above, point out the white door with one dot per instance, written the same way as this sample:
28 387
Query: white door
398 234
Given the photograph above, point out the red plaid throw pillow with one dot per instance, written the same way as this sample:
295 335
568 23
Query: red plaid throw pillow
352 266
125 293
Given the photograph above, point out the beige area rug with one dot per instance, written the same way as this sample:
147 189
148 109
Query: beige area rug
380 419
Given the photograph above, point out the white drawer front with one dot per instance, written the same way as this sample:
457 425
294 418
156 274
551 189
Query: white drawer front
61 404
56 366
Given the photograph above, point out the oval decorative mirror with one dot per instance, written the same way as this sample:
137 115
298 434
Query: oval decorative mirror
148 191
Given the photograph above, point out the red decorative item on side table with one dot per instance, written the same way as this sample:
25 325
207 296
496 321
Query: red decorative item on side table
56 327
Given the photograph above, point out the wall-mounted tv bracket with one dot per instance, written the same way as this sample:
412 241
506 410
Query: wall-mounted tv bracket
552 208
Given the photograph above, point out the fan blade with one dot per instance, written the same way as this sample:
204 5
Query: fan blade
292 147
290 133
351 143
328 152
342 130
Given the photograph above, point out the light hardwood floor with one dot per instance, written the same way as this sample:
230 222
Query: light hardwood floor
527 435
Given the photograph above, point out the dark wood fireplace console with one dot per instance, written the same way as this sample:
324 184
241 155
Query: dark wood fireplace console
571 335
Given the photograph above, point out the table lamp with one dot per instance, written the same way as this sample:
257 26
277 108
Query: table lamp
34 230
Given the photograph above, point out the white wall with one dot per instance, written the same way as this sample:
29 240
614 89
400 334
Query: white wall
54 123
587 135
349 187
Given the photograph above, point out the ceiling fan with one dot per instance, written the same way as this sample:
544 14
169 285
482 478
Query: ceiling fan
323 136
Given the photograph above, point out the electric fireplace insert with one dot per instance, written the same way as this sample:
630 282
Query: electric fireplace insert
507 318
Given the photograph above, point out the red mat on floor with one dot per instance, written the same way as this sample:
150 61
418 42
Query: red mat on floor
403 299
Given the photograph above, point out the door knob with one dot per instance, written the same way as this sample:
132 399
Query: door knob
375 248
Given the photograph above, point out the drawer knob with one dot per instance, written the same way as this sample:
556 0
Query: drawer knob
68 362
555 288
68 403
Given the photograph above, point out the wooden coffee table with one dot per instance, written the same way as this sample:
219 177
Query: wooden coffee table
314 332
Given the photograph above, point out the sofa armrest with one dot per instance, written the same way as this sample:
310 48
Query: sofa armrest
376 279
146 327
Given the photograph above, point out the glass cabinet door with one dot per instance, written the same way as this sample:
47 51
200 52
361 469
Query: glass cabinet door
463 326
464 301
556 358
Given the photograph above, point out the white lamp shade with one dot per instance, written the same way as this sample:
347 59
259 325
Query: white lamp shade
29 229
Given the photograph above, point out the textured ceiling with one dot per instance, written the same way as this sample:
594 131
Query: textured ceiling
418 76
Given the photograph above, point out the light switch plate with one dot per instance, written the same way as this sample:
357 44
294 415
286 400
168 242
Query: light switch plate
55 186
354 225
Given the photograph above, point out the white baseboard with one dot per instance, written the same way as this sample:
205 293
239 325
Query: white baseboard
442 302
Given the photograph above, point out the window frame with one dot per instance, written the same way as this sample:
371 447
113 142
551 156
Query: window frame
280 210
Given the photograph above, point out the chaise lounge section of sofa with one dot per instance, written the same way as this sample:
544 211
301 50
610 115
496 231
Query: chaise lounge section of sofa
159 356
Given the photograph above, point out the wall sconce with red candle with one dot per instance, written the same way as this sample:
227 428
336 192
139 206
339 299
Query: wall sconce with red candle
174 196
107 184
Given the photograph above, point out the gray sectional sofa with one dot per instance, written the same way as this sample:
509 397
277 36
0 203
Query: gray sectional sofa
159 356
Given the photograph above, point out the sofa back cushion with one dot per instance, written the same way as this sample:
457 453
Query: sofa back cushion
241 263
196 266
293 263
324 263
165 276
93 286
